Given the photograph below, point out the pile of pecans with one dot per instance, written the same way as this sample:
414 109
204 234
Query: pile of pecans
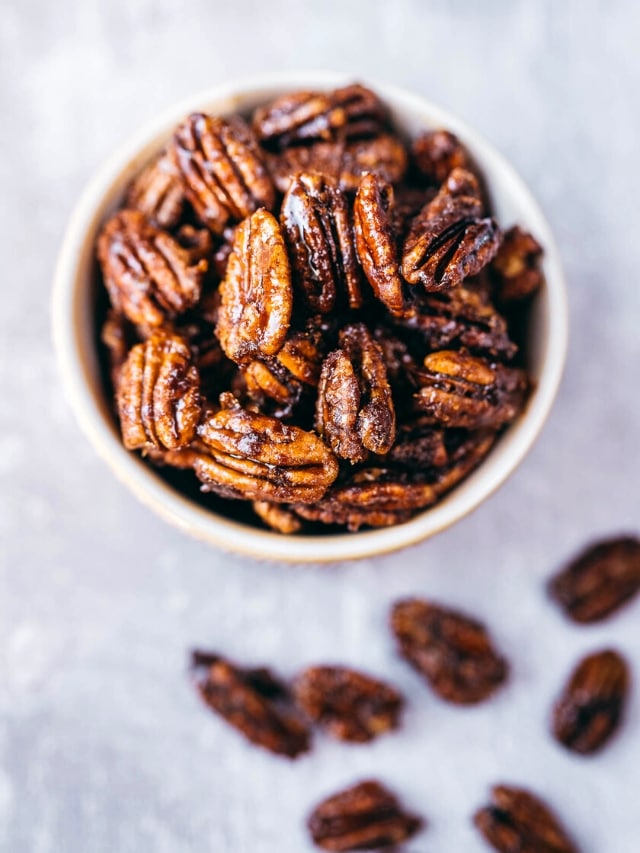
313 314
456 657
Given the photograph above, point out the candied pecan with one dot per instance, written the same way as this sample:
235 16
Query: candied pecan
221 168
451 651
321 158
316 223
118 336
257 457
158 394
599 580
592 703
253 702
277 517
377 242
450 238
256 296
354 410
460 390
517 821
517 266
437 153
148 275
348 704
157 192
419 445
197 241
364 817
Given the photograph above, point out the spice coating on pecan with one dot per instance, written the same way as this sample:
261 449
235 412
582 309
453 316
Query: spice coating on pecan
221 168
451 651
517 821
158 193
255 296
349 705
516 266
450 238
366 816
251 701
599 580
149 276
437 153
592 703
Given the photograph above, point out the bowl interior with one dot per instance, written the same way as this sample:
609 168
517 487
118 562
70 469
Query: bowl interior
75 332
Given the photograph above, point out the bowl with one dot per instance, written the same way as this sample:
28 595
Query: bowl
74 329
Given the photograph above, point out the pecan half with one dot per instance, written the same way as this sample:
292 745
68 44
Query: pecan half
255 295
148 275
599 580
517 266
253 702
364 817
354 410
316 223
257 457
460 390
157 192
517 821
348 704
451 651
592 703
437 153
158 394
451 238
221 168
377 242
277 517
419 446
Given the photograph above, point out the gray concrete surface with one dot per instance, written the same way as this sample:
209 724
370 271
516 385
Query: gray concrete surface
103 746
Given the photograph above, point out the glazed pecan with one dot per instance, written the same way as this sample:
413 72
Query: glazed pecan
148 275
316 223
517 266
451 651
460 390
277 517
517 821
451 238
592 703
354 410
253 702
257 457
347 704
256 296
377 242
158 394
221 169
437 153
157 192
364 817
419 446
599 580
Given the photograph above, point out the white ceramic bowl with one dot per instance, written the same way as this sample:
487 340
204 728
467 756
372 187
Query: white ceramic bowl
75 330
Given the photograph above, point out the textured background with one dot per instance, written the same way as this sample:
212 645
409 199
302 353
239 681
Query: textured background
103 746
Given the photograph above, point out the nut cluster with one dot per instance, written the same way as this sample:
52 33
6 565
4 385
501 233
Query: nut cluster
314 315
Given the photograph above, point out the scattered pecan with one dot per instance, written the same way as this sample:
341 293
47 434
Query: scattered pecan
316 223
517 266
158 394
277 517
437 153
257 457
354 411
517 821
149 276
451 238
157 192
364 817
348 704
256 295
377 242
221 168
592 703
453 652
460 390
600 580
253 702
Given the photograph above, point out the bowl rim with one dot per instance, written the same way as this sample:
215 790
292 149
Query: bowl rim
206 525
